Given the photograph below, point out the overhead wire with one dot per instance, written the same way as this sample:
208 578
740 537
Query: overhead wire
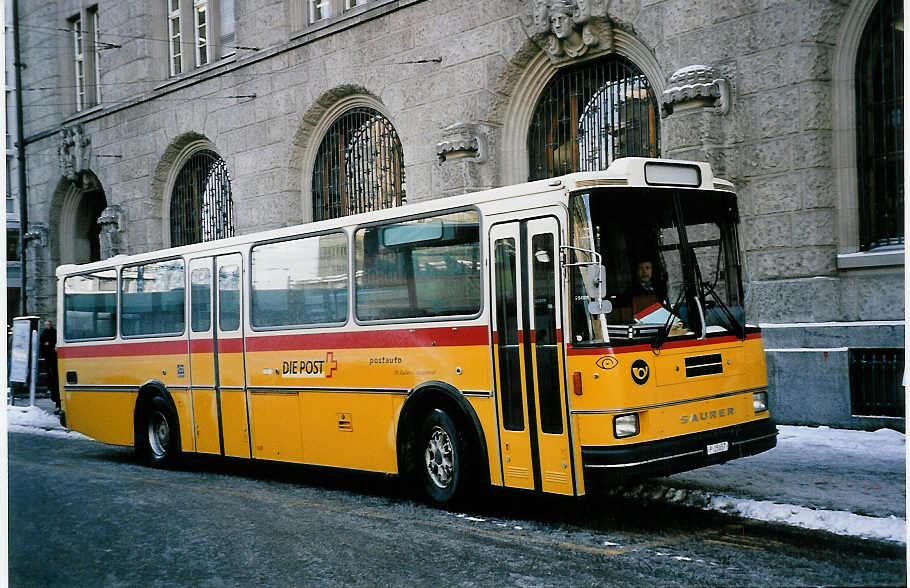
189 43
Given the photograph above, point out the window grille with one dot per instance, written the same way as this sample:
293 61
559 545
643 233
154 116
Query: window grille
589 115
201 203
359 166
880 127
875 382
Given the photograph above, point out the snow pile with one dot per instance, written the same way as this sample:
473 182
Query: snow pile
34 419
805 449
887 442
834 521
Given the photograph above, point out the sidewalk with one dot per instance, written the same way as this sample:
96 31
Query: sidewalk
835 480
841 481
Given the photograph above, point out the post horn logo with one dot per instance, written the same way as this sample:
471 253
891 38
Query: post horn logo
640 371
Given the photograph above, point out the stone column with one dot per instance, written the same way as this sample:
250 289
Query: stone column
40 287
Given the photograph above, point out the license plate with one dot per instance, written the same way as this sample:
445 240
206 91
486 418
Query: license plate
718 447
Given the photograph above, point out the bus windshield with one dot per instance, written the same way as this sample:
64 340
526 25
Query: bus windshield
671 259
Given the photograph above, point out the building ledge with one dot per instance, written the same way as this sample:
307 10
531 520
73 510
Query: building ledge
869 259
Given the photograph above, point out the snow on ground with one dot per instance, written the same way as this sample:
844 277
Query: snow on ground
36 420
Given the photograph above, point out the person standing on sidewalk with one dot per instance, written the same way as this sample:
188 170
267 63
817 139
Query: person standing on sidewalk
48 349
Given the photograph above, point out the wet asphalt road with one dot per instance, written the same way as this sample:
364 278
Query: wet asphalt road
86 514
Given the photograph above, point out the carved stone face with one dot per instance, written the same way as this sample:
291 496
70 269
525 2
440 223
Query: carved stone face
561 25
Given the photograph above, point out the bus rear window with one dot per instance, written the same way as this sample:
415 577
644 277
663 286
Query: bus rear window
419 268
152 298
90 306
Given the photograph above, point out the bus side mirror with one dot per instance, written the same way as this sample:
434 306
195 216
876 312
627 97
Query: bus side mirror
596 307
595 278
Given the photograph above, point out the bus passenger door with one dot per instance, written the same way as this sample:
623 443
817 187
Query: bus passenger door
217 378
206 430
231 386
528 356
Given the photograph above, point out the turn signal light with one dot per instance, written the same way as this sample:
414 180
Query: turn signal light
576 383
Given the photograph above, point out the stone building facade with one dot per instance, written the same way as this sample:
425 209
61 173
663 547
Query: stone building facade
764 90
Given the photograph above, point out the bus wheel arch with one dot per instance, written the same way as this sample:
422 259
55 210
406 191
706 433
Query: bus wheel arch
439 409
156 426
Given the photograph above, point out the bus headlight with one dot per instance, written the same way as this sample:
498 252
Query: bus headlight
759 401
625 425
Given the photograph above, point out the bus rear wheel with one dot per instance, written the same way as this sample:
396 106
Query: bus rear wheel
157 433
442 458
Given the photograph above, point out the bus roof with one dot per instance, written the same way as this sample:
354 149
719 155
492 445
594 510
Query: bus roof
628 172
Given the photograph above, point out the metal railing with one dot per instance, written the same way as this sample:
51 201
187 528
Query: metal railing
359 166
202 208
587 116
876 382
880 127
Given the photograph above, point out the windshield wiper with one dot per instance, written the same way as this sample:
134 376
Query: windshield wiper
739 329
664 331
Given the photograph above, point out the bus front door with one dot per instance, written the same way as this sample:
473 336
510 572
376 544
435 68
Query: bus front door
535 444
217 378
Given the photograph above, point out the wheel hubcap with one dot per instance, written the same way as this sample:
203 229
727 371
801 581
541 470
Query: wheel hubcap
440 457
159 434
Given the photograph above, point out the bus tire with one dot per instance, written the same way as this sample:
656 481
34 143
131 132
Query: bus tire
158 433
442 458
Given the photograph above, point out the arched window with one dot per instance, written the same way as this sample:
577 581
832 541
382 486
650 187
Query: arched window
201 204
359 166
880 127
589 115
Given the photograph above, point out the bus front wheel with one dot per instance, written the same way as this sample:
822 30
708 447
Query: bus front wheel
157 434
442 458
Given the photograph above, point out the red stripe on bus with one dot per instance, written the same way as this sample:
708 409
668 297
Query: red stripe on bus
224 346
432 337
230 345
647 347
125 349
201 346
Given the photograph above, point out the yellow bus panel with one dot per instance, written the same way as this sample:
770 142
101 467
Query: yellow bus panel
350 430
103 415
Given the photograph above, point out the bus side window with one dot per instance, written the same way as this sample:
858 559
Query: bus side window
426 267
229 297
201 311
90 306
152 298
300 282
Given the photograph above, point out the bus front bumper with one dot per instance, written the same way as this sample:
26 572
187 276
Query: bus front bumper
616 464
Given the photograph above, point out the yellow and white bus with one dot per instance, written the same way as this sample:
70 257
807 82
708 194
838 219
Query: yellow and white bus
502 337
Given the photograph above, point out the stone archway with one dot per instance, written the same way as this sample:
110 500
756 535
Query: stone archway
313 126
522 83
78 231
